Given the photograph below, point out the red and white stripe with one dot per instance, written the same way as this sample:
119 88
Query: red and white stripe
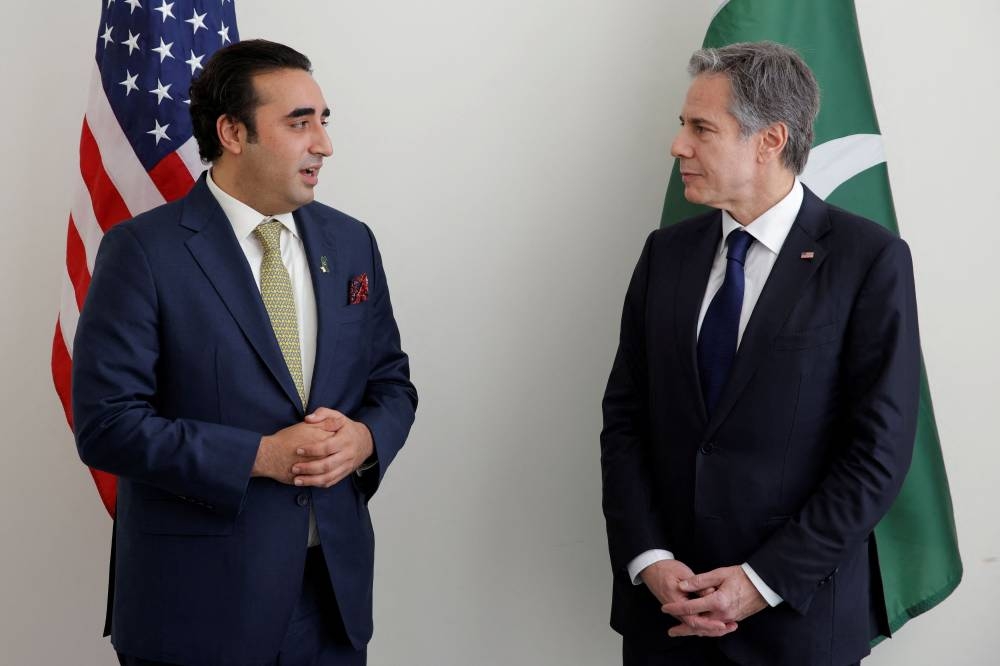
111 186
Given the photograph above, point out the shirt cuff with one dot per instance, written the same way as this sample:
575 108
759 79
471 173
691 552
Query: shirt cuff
643 560
770 596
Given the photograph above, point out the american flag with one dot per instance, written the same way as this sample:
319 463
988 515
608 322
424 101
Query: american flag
136 148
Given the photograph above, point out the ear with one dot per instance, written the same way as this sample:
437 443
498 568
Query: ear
772 141
232 134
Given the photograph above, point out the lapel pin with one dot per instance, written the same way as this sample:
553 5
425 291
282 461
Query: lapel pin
324 266
807 255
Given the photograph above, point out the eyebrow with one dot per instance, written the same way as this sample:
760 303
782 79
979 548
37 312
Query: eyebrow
307 111
696 121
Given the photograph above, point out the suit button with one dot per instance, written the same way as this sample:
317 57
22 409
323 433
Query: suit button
707 448
302 499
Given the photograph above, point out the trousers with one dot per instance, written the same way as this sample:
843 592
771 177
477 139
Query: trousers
315 635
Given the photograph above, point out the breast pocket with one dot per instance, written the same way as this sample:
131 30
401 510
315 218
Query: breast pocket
806 339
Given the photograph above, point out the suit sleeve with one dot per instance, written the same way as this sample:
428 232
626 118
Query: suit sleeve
632 521
117 427
880 366
390 400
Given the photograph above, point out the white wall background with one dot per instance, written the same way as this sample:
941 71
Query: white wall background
511 157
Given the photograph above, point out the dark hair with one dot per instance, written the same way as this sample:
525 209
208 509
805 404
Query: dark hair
225 88
770 83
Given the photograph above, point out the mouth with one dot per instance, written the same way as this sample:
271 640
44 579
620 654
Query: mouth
311 174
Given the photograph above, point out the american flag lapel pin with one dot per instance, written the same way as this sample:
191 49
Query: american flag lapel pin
324 265
809 254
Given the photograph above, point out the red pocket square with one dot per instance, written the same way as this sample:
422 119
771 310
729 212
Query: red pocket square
358 291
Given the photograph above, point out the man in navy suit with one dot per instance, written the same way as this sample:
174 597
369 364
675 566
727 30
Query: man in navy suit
761 410
238 367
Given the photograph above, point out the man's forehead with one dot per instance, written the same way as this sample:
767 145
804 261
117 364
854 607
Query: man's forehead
708 97
291 88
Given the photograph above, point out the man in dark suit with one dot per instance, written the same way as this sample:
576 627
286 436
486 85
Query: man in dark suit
237 365
760 414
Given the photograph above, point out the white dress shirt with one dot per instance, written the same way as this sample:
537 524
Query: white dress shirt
769 232
244 220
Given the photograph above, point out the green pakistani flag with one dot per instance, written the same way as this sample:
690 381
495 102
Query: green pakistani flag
916 541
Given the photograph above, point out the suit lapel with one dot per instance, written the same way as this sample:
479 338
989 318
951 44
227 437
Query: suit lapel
218 253
696 264
321 256
789 277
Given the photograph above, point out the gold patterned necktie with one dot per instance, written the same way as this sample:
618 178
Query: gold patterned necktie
276 290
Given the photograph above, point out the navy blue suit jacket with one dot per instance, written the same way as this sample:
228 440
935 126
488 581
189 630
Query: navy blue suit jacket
805 452
176 376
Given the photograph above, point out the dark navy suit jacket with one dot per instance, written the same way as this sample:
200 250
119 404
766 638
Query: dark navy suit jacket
177 375
805 452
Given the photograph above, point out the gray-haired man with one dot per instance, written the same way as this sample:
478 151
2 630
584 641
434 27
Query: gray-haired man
760 414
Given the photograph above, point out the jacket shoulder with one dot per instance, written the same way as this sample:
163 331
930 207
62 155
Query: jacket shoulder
836 225
859 241
328 215
859 228
155 219
337 222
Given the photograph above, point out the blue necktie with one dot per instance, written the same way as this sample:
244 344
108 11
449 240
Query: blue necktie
721 326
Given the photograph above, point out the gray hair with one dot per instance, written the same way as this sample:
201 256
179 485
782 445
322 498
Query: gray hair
770 83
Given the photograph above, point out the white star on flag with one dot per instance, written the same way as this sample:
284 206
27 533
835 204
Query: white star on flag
129 82
159 132
107 35
197 20
166 9
132 42
121 171
164 50
161 91
195 62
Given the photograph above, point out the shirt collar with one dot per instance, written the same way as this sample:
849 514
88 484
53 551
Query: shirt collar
244 218
772 227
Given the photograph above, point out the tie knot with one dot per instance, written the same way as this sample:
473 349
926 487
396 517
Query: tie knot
739 242
268 233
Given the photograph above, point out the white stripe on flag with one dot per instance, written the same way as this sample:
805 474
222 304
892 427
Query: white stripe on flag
188 152
838 160
85 220
69 315
120 162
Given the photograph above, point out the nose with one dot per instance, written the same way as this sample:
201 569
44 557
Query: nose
321 142
681 147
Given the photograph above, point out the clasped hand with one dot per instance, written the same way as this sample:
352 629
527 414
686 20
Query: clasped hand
323 449
710 604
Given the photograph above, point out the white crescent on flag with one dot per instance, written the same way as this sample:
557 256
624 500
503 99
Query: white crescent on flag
722 3
835 162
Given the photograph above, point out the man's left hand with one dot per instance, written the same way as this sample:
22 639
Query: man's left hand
733 599
328 463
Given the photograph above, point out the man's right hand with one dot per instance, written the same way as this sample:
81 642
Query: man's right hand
276 453
663 580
